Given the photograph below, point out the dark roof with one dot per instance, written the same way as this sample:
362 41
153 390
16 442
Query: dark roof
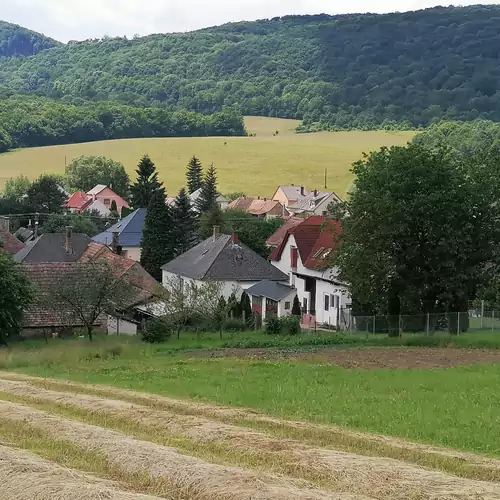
130 230
51 247
40 314
221 259
271 290
9 243
315 238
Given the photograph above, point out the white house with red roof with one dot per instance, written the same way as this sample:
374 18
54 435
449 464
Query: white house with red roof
98 198
302 255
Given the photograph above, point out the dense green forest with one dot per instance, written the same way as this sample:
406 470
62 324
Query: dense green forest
16 41
36 121
360 70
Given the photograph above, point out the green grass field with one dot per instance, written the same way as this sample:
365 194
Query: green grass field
254 165
455 407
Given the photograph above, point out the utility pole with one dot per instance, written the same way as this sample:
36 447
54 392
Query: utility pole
326 173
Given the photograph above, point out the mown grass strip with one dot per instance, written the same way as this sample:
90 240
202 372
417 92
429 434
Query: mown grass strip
311 435
210 452
64 453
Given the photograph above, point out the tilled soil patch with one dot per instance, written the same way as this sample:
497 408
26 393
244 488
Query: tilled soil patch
367 357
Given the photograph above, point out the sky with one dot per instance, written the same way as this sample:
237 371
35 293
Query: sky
67 20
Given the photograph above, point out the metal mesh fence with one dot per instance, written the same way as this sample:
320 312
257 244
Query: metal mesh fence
423 324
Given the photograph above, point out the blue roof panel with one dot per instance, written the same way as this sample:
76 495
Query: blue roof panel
130 230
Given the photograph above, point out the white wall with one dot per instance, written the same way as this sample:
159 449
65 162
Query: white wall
121 327
133 253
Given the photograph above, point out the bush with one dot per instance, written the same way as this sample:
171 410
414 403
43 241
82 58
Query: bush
234 325
156 331
273 326
290 325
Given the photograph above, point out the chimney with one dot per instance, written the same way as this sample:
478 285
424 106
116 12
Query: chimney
69 234
301 190
116 241
216 232
5 224
315 193
236 240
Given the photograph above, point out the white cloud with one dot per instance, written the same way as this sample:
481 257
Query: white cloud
81 19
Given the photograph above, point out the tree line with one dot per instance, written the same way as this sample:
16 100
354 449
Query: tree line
364 71
31 121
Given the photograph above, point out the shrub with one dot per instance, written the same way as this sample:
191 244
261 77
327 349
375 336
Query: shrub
234 325
273 326
156 331
290 325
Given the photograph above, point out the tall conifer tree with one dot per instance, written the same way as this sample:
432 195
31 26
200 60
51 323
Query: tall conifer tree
184 223
194 175
146 185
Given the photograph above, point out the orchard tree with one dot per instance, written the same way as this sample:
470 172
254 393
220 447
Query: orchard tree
46 195
194 175
146 185
157 237
85 172
17 293
419 231
184 224
208 195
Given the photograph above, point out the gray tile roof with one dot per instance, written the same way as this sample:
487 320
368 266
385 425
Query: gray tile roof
51 247
270 290
223 260
129 228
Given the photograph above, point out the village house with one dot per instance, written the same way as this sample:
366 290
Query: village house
289 196
315 203
278 236
271 299
99 199
302 255
222 258
221 200
264 208
126 234
9 244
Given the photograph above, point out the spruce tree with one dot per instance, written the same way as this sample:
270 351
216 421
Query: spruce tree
194 175
208 196
246 308
146 185
184 224
208 220
157 236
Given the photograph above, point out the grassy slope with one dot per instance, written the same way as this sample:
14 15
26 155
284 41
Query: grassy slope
455 407
255 165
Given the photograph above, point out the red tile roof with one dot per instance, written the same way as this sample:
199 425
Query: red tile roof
275 239
242 203
314 238
77 200
9 243
264 207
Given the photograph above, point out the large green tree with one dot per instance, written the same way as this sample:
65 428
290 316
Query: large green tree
184 223
157 237
194 175
17 293
85 172
16 188
79 222
208 195
5 140
147 184
46 195
419 230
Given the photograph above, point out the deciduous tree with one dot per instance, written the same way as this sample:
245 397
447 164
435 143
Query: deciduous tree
46 196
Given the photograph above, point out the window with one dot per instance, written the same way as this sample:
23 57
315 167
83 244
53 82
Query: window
294 254
256 301
318 253
327 302
107 201
287 306
304 304
335 301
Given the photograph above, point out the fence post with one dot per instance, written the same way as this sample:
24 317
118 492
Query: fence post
374 325
427 327
458 323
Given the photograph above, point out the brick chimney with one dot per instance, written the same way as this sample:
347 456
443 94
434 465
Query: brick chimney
69 245
5 224
236 239
216 233
116 241
302 192
315 193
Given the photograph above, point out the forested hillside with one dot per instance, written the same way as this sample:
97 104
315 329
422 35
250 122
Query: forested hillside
363 71
16 41
35 121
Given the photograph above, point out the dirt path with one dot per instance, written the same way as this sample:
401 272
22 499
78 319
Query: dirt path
203 452
368 358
